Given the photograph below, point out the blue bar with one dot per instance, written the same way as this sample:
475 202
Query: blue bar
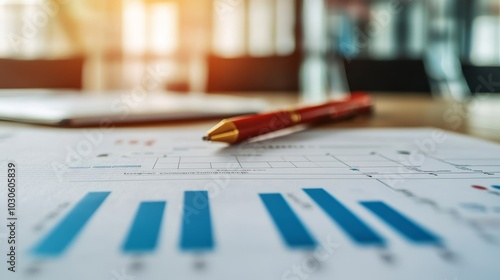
348 221
196 223
143 235
67 230
400 223
291 228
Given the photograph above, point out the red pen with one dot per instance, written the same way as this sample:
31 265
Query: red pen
238 129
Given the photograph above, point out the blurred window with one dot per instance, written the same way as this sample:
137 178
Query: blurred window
123 39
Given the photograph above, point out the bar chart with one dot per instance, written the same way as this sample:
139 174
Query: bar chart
400 223
196 224
295 234
143 235
347 220
58 240
290 227
196 229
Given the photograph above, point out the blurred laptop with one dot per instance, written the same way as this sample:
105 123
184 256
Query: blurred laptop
77 108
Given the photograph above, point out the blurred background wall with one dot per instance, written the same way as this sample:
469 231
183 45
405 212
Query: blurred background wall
448 47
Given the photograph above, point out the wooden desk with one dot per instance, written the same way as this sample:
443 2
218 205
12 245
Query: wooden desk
479 118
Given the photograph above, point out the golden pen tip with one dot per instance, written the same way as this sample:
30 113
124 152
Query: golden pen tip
206 138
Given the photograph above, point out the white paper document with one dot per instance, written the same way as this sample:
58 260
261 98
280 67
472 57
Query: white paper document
321 204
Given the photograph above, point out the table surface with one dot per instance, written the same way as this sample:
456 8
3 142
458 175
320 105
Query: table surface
479 117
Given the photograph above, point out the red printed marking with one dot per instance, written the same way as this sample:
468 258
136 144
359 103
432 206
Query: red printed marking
479 187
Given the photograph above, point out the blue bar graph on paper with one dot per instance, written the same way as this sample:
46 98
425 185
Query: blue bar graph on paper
197 232
291 228
347 220
401 223
145 229
58 240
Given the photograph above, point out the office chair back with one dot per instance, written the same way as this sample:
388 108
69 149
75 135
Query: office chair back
482 79
41 73
272 73
399 75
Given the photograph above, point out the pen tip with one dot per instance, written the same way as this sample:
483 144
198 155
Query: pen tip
205 138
